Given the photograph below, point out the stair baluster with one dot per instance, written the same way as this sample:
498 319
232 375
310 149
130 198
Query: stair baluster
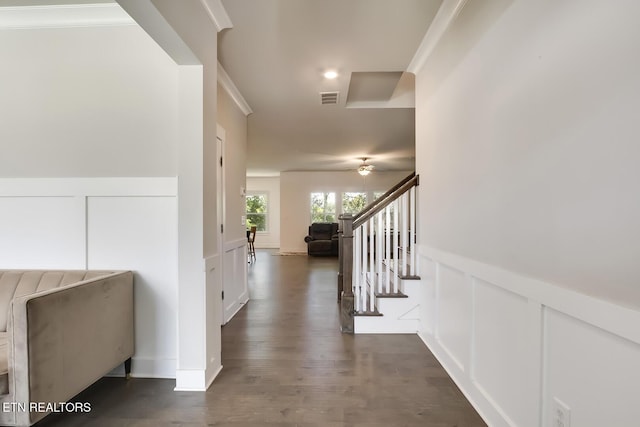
357 268
396 243
376 242
412 228
387 252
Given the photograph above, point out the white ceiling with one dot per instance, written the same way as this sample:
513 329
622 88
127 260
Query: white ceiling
276 54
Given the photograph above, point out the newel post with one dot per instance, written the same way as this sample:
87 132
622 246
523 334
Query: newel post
345 273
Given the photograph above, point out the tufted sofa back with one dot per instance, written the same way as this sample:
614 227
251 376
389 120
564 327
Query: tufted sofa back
15 283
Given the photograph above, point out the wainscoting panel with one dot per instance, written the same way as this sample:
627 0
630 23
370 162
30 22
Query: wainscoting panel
530 343
111 223
595 373
42 232
428 307
454 313
140 234
499 355
214 318
236 292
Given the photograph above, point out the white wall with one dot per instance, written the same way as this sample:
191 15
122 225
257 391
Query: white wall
80 105
187 31
530 144
526 150
234 122
295 198
139 233
86 102
271 186
110 102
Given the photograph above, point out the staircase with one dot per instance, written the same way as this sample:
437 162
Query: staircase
378 283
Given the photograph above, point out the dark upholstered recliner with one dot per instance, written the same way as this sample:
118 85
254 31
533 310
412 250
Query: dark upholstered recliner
322 239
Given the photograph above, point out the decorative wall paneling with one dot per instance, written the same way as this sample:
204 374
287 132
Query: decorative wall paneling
515 345
103 223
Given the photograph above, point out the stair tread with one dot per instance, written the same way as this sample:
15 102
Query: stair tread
390 295
368 313
389 265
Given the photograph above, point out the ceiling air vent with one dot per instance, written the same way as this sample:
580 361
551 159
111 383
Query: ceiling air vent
329 97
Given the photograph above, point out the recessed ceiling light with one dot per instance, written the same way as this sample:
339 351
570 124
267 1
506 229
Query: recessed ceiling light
330 75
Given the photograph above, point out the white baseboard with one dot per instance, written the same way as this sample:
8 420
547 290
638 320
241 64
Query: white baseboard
153 368
195 379
190 380
237 306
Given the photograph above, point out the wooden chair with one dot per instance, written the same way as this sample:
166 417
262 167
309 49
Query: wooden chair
251 238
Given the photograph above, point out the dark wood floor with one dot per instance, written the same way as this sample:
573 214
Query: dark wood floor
287 364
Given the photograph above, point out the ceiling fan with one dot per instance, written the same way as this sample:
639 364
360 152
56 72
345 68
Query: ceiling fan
364 168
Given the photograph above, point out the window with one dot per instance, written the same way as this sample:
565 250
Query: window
257 210
353 202
323 207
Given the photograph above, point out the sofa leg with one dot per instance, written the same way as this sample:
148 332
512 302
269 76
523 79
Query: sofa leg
127 368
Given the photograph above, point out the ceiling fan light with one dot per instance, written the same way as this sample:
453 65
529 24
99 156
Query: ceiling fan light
364 170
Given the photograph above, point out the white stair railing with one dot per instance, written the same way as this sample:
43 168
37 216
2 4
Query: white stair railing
375 246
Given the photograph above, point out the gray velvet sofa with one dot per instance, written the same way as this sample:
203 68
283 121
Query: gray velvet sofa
60 331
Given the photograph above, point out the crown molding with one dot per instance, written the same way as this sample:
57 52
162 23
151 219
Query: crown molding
449 10
217 13
63 16
230 87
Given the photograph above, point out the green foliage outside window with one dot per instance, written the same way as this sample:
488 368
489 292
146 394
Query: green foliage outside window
257 211
323 207
353 202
